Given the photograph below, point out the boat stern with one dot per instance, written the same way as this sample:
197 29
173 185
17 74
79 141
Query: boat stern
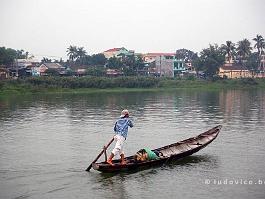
95 166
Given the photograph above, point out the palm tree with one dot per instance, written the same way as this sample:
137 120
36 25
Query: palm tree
243 49
229 49
72 52
46 60
259 44
80 54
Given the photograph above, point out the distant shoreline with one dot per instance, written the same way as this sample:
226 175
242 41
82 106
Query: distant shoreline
48 85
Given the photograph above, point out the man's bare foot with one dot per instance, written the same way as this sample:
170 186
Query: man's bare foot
110 162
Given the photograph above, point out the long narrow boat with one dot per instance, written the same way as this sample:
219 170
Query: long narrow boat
170 152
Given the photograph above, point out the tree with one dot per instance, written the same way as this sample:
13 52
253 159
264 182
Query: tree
114 63
198 64
129 61
46 60
243 49
7 56
21 55
139 63
186 55
210 60
96 71
58 61
259 44
229 50
129 71
252 62
80 55
98 59
94 60
72 53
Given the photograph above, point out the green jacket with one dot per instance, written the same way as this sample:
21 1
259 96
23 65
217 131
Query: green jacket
151 154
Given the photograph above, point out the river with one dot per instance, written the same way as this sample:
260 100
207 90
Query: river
47 142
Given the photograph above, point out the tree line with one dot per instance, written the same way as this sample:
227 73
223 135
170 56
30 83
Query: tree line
129 64
8 55
207 60
211 58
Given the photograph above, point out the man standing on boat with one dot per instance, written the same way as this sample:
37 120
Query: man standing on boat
121 131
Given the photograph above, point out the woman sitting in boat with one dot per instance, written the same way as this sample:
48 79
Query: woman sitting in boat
146 154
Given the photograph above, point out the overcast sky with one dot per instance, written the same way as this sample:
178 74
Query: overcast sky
48 27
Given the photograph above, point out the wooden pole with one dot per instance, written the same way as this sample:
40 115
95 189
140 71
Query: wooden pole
105 153
90 166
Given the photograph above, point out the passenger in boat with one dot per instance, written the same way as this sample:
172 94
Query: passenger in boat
146 154
121 132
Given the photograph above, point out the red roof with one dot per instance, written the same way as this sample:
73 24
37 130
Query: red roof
113 50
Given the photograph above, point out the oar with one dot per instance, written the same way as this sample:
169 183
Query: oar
105 148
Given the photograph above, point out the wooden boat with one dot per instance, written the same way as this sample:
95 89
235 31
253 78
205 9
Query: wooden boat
170 152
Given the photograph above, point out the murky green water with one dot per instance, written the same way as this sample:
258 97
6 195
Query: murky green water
47 141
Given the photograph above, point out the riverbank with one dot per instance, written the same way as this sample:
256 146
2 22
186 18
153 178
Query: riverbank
120 84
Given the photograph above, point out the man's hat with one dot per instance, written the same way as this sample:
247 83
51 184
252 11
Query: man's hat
124 113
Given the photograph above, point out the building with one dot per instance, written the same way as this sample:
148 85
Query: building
42 69
23 63
261 69
179 67
22 67
189 66
234 70
262 63
118 52
80 72
165 64
160 64
4 73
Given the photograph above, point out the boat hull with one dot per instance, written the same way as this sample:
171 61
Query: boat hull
171 152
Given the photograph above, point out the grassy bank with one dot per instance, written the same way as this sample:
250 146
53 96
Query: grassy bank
120 84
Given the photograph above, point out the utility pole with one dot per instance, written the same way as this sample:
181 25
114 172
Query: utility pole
17 66
160 67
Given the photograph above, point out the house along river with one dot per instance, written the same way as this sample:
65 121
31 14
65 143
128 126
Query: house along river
47 142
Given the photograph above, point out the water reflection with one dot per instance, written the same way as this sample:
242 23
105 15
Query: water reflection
116 187
47 141
197 160
223 103
209 161
136 183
